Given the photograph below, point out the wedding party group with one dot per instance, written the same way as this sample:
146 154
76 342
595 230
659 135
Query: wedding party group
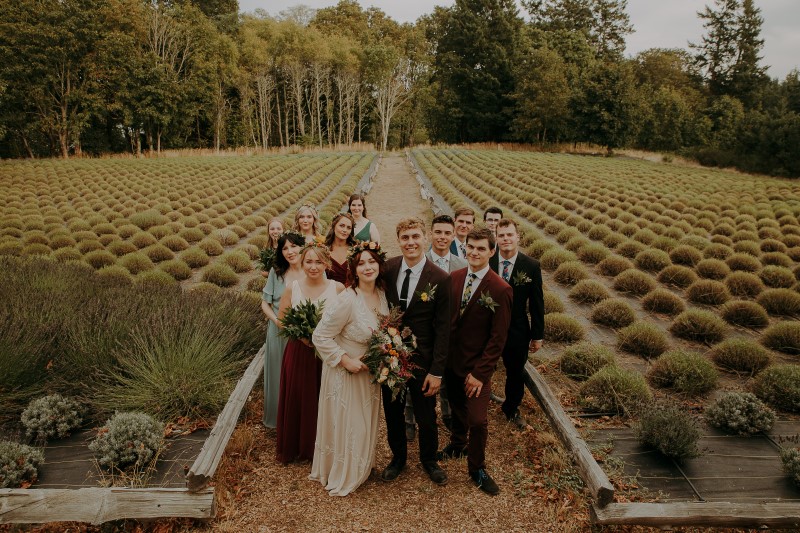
419 334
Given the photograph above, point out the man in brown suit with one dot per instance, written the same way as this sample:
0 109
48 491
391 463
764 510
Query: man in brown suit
481 314
422 291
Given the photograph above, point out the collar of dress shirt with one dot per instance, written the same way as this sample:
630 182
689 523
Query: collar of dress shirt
436 256
480 273
416 270
512 259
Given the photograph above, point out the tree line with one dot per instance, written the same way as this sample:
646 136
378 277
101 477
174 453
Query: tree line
106 76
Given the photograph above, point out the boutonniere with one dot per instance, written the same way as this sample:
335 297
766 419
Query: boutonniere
520 278
427 294
486 301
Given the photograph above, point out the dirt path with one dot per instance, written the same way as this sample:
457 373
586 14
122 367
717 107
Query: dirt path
394 195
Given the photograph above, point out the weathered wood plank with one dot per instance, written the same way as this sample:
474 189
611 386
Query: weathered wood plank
717 514
205 465
97 505
594 477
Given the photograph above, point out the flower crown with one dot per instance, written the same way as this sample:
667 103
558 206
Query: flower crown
316 242
361 246
292 233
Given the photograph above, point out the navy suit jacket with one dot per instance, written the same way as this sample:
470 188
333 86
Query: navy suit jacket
527 315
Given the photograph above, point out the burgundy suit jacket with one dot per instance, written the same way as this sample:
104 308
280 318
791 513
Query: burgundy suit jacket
429 321
478 335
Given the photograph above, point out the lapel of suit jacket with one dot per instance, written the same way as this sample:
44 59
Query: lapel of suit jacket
484 283
392 274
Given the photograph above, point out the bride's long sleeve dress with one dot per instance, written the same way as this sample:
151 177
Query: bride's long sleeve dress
349 404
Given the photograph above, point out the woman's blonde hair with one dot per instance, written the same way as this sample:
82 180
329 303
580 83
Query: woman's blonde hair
303 209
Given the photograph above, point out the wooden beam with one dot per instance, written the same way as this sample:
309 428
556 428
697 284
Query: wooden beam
716 514
601 488
205 465
97 505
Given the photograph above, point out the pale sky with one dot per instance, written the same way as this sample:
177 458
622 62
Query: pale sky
657 23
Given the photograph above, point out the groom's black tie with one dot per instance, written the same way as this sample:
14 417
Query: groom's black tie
404 291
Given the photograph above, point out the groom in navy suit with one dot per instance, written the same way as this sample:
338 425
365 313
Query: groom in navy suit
422 291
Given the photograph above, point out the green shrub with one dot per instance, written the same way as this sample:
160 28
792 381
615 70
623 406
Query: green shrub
743 263
677 276
744 284
120 248
238 260
100 258
220 274
740 413
634 282
552 258
613 265
19 464
698 325
790 458
136 263
148 219
256 284
663 301
615 390
614 313
175 243
177 269
156 280
582 360
772 245
717 251
708 292
143 240
62 255
211 247
747 247
777 277
86 246
52 416
643 339
115 276
684 372
779 385
537 248
780 302
776 259
128 439
593 253
745 314
685 255
195 257
35 249
560 327
552 304
630 248
158 253
652 260
670 430
783 337
589 291
570 273
712 269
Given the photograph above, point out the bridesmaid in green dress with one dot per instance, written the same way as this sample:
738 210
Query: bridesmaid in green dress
286 270
364 229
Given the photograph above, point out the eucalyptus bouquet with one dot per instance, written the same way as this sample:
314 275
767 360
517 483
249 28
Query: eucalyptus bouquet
266 258
299 322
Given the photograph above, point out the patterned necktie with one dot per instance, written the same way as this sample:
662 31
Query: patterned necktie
463 251
442 263
467 292
506 269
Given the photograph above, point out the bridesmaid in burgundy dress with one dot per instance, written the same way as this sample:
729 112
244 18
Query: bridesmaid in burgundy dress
301 370
339 240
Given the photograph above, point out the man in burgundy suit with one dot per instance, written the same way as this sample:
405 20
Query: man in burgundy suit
422 291
481 314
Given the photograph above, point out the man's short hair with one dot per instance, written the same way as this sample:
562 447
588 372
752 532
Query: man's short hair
410 223
464 211
478 234
506 222
443 219
493 209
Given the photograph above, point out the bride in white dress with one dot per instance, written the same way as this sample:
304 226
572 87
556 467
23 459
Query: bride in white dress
349 404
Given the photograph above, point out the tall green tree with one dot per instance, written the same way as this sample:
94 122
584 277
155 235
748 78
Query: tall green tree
478 47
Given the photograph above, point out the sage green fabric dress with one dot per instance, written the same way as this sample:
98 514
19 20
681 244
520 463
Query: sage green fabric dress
273 353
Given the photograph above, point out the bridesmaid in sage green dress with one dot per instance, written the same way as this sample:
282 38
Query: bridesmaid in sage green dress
364 229
286 270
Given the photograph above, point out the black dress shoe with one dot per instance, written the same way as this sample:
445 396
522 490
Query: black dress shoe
451 452
485 482
435 472
393 470
518 421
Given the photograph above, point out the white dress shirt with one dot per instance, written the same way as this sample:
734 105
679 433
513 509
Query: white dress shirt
500 260
416 272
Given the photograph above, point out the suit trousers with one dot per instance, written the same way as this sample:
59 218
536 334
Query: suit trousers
514 359
425 414
470 419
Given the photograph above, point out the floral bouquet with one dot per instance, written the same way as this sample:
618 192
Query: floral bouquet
389 351
299 322
266 258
